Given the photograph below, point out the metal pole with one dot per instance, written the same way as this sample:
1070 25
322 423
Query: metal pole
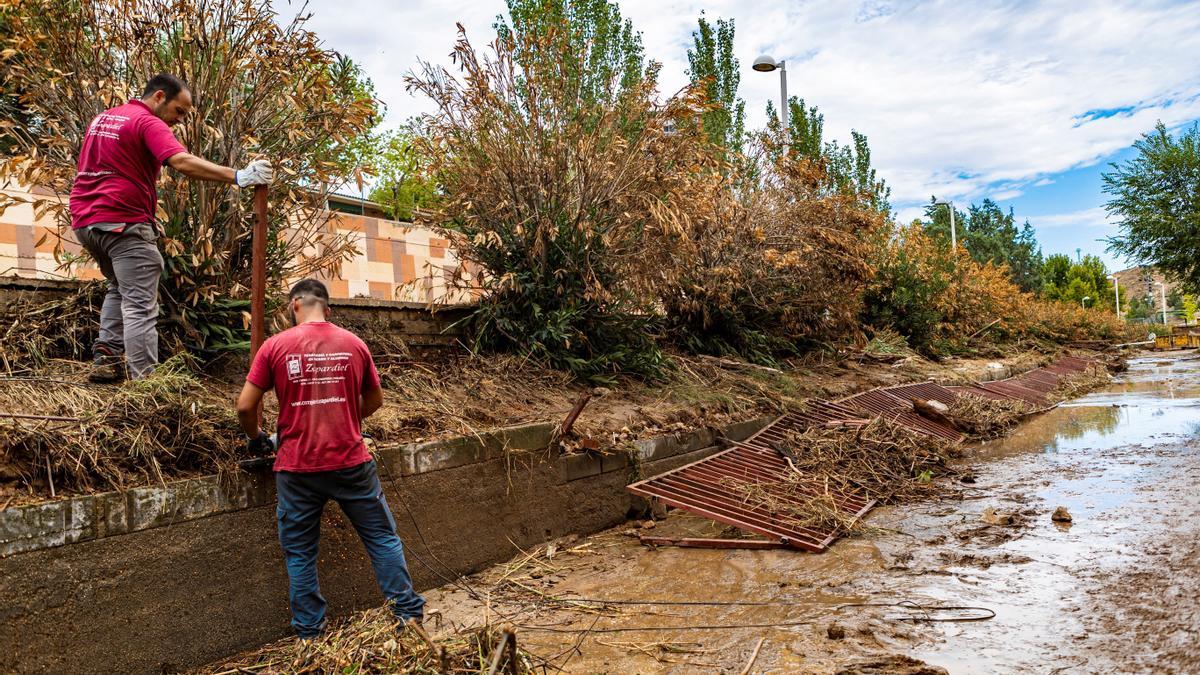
1162 289
783 109
258 272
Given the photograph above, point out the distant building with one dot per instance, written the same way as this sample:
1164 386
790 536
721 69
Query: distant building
395 261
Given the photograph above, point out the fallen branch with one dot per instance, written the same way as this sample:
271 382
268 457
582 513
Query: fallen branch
753 657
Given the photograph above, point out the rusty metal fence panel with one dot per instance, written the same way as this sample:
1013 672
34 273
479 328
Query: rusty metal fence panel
717 487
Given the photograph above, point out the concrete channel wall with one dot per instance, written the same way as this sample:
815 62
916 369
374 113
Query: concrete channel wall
171 577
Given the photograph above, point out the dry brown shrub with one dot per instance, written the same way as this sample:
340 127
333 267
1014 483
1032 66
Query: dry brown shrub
773 268
572 210
945 302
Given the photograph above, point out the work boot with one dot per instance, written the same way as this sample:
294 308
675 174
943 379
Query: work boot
107 368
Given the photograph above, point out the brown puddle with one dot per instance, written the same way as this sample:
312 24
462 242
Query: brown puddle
1115 591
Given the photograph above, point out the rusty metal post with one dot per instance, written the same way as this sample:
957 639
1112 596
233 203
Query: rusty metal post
258 272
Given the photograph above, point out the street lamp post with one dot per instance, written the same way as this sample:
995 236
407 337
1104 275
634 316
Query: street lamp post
953 233
1162 289
766 64
1116 293
1083 301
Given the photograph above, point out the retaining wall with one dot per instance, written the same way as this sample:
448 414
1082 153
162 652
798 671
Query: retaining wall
175 576
418 325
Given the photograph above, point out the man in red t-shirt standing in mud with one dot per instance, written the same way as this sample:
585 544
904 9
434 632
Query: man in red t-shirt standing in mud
326 384
113 206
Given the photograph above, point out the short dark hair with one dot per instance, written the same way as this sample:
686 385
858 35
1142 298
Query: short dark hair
309 288
166 83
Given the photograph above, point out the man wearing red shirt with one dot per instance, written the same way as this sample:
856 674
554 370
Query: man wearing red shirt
326 384
113 205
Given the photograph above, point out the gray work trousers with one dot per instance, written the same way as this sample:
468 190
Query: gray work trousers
132 264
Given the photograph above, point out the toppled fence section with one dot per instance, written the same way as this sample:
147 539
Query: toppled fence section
756 485
716 487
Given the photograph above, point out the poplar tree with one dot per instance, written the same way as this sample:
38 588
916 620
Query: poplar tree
712 65
595 50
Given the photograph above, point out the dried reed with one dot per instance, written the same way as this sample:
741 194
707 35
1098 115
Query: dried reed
372 643
167 425
986 418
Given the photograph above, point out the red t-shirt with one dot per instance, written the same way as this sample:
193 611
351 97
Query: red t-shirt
318 371
123 152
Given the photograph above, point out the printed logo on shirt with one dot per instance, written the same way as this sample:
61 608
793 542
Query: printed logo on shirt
107 125
294 366
307 369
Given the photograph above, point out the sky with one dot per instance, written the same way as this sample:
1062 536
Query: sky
1026 103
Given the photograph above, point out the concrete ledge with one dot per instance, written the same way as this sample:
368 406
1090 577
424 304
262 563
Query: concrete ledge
77 519
30 528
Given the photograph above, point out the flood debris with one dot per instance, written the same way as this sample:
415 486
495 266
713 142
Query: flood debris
140 432
806 478
892 664
1061 515
986 418
372 642
997 518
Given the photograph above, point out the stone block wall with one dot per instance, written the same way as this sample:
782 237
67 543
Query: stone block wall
170 577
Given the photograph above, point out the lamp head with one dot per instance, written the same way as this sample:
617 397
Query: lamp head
764 64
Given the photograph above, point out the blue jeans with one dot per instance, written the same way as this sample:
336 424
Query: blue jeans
302 498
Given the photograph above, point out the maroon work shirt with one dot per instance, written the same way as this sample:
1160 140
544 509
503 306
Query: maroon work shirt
318 371
122 154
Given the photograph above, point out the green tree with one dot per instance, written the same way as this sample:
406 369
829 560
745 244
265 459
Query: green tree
595 51
1071 282
848 167
404 182
712 65
991 235
1054 275
1156 199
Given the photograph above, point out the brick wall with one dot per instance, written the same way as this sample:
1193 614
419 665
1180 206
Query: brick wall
395 261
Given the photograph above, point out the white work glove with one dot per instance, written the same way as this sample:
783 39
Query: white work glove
258 172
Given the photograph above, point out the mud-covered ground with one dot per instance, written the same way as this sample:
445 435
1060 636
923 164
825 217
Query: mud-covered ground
1116 590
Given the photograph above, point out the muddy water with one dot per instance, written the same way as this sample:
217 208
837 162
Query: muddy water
1117 590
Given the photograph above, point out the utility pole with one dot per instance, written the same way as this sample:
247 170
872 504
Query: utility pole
1117 294
1162 289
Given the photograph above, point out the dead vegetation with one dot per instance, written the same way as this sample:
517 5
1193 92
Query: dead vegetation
985 418
1073 387
881 459
34 331
372 642
58 435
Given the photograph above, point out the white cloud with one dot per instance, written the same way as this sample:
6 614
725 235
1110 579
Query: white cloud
963 100
1094 217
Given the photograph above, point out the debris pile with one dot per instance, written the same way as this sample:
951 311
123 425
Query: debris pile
33 332
881 459
372 642
986 418
61 435
810 475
